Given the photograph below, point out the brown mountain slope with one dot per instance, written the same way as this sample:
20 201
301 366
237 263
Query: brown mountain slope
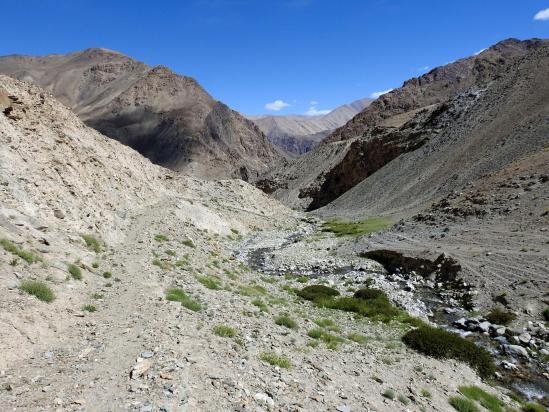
400 122
169 118
298 134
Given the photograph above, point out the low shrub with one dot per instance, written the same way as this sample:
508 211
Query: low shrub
161 238
252 290
378 309
315 292
179 295
367 293
500 317
273 359
546 314
107 275
403 400
490 402
439 343
89 308
224 331
38 289
74 271
188 243
286 321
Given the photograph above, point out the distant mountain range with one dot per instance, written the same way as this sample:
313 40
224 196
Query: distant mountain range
168 118
298 134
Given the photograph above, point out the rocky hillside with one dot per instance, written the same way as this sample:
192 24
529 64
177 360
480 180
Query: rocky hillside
299 134
126 286
429 117
168 118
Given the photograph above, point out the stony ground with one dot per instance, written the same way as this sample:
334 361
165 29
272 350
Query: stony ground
139 351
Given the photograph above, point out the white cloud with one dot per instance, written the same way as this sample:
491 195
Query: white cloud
313 102
542 15
375 95
277 105
313 111
480 51
423 69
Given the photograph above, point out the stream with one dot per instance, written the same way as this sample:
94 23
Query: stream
413 293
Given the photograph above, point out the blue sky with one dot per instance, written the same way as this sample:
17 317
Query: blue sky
257 56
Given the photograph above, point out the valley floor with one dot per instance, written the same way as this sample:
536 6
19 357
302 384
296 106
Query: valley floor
139 351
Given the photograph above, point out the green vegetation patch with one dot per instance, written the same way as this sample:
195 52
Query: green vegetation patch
331 340
38 289
209 282
488 401
286 321
162 264
389 394
74 271
315 292
260 304
252 290
12 248
533 407
328 324
179 295
89 308
441 344
362 227
224 331
93 243
500 317
358 338
273 359
461 404
161 238
107 275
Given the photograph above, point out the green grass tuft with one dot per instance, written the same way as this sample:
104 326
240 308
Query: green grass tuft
441 344
179 295
38 289
11 247
89 308
358 228
161 238
75 271
328 324
162 264
260 304
188 243
224 331
358 338
209 282
533 407
461 404
331 340
93 243
389 394
286 321
273 359
107 275
490 402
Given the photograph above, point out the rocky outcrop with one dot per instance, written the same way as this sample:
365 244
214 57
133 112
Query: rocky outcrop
168 118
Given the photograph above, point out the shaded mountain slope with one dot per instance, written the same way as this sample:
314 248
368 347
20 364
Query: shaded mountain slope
422 111
169 118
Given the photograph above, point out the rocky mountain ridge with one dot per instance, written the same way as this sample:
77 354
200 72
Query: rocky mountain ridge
168 118
402 122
